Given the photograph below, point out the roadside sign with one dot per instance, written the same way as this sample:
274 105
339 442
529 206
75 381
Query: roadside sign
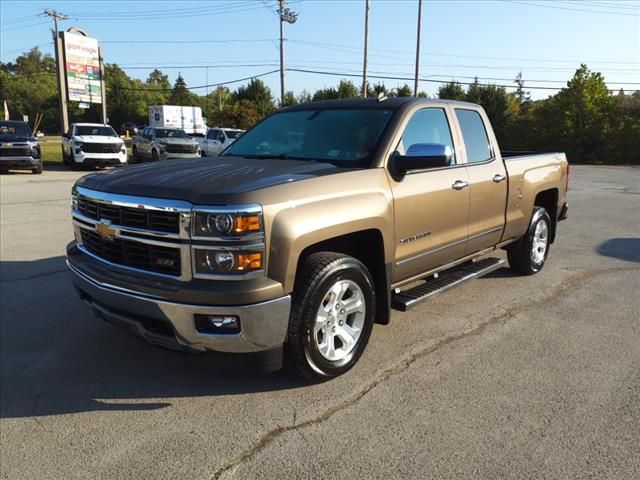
25 118
83 105
82 68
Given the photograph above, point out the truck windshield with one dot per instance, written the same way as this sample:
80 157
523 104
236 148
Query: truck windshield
344 137
9 129
233 134
170 133
99 130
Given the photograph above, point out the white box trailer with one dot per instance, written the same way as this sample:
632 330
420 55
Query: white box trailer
188 119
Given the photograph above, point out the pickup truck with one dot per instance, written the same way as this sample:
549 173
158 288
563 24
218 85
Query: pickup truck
163 143
93 145
217 139
311 227
19 148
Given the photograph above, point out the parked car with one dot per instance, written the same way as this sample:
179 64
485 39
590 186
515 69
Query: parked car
217 139
92 145
130 127
162 144
19 149
306 244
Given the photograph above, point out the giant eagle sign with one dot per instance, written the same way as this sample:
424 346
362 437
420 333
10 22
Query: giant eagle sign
82 68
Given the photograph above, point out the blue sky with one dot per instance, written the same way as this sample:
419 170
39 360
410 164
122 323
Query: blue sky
491 39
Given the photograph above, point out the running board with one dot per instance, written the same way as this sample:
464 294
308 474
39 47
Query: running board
453 277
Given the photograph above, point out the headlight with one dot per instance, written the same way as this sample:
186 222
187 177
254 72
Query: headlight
77 146
216 224
225 262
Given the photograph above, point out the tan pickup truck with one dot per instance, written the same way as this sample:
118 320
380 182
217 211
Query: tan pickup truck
310 228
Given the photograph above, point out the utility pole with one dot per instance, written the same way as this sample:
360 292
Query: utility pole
284 15
415 83
61 80
366 51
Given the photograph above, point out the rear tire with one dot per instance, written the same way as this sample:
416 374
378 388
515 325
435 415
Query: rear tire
527 256
332 315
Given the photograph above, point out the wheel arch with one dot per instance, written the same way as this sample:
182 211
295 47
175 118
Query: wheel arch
548 199
366 246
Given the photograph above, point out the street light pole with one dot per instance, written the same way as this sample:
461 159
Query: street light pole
415 83
366 51
61 81
284 15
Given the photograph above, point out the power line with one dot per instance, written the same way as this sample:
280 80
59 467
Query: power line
581 10
409 78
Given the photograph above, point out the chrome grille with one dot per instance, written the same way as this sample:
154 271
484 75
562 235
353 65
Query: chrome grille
15 152
171 148
101 147
143 256
130 217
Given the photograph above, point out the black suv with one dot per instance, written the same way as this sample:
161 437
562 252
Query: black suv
19 148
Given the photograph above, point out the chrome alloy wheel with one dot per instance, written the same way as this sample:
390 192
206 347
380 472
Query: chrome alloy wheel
540 242
339 320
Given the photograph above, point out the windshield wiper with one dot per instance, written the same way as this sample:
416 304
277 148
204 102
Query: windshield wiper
280 156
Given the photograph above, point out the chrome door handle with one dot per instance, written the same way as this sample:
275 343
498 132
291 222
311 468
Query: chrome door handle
459 185
497 178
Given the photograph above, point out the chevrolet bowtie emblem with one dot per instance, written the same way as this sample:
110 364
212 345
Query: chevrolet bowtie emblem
105 231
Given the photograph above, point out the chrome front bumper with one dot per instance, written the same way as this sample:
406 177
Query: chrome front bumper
263 326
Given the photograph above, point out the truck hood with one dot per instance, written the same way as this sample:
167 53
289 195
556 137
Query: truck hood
16 139
209 181
97 139
177 141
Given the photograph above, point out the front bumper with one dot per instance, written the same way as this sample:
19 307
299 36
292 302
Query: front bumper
170 155
263 326
26 162
100 159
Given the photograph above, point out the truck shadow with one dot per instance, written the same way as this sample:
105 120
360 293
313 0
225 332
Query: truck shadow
57 358
621 248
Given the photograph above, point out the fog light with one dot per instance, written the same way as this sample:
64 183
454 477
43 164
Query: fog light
220 324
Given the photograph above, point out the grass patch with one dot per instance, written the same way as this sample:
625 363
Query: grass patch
51 149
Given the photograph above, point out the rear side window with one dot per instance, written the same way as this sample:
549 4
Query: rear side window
476 141
428 125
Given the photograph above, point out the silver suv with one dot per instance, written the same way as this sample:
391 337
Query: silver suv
163 143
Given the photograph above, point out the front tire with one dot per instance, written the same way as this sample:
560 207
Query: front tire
332 315
37 170
154 155
527 256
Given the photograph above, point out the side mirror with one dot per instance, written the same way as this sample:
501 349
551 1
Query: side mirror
422 156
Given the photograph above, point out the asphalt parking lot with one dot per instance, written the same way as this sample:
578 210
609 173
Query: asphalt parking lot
505 377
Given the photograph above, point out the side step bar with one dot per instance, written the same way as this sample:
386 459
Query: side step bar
407 299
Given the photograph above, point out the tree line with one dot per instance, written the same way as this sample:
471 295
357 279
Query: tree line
584 119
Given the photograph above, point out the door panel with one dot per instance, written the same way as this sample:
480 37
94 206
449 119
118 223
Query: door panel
487 204
430 215
430 220
487 182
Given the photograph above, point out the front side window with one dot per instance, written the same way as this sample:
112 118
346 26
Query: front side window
428 125
476 141
212 134
343 137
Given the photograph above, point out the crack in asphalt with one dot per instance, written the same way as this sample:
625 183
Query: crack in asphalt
38 275
575 280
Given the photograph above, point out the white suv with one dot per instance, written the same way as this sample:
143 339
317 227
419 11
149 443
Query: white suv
93 145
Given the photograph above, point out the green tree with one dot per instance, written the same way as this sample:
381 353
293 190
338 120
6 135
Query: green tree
258 93
451 91
403 91
346 89
180 94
